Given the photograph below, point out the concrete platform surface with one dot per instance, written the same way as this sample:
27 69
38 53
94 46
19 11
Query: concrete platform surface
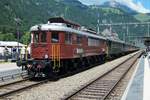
7 66
9 69
139 86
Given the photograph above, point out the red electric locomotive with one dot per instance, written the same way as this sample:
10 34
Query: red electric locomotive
60 46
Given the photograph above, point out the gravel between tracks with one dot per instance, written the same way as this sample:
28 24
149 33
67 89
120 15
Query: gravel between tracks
65 86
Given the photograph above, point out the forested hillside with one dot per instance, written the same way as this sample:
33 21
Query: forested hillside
31 12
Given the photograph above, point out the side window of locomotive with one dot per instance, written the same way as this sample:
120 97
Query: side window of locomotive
79 39
68 38
54 37
36 37
93 42
43 37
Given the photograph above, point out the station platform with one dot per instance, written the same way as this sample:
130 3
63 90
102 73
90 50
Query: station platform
9 69
139 86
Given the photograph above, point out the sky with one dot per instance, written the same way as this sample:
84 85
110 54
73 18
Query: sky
142 6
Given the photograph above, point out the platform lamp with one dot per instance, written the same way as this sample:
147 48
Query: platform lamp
17 21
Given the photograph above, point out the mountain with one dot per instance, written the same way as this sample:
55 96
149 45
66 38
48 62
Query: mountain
75 3
118 5
31 12
113 4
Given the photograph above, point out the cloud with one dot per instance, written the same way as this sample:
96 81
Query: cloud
135 6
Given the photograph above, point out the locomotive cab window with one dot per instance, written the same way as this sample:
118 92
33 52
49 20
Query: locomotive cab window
43 37
36 37
68 38
54 37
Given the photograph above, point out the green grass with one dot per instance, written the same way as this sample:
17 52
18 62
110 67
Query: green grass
142 17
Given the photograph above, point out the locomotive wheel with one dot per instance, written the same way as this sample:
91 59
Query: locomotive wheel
31 73
86 62
48 71
83 62
80 63
63 68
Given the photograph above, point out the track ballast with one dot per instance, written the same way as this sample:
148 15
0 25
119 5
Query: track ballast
100 88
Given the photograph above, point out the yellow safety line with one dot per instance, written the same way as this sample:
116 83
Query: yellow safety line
52 51
56 55
26 54
59 55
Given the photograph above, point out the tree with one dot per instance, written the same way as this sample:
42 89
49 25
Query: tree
25 39
7 37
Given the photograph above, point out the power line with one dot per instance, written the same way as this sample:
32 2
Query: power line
133 23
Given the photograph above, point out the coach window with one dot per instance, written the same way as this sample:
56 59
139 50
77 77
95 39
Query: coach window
43 36
54 37
36 37
68 38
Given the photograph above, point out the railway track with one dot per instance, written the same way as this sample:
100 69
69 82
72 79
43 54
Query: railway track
100 88
21 85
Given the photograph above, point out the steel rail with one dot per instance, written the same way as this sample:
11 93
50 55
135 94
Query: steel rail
11 88
15 82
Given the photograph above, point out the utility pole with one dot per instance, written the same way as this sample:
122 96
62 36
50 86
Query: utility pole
127 33
98 27
148 29
124 37
98 31
17 20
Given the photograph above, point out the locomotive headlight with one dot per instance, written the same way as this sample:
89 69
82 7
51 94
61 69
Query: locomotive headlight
46 56
103 49
29 65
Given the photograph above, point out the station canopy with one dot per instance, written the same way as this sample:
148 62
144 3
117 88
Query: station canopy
146 41
10 44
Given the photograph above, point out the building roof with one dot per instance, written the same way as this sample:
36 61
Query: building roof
10 44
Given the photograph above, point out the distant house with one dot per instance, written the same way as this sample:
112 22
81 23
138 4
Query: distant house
110 34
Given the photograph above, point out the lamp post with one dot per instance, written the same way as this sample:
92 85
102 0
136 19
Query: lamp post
148 29
17 20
